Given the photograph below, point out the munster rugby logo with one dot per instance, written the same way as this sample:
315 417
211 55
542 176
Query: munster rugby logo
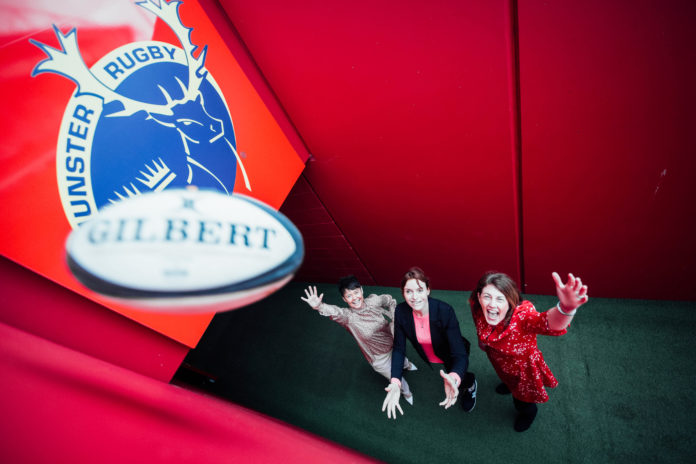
146 117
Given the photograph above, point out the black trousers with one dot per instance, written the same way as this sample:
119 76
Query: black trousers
467 381
523 407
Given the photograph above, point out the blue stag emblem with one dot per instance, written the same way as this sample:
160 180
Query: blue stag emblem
146 117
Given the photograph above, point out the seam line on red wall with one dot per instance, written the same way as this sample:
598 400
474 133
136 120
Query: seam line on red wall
517 137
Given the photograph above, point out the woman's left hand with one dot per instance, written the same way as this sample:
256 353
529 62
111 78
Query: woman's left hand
451 390
572 294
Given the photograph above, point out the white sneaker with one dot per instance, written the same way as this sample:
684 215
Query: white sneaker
409 399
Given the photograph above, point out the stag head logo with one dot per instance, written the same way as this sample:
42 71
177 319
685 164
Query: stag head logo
146 117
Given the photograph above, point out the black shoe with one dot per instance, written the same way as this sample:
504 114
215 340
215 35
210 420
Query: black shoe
524 420
469 397
502 389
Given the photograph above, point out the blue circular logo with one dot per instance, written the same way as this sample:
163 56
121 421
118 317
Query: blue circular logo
148 121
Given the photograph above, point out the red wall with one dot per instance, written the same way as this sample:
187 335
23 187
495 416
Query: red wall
435 143
406 109
608 144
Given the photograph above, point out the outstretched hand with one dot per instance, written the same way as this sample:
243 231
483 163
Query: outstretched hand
451 390
312 299
391 402
573 294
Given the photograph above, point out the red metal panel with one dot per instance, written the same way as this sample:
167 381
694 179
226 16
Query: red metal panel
407 110
607 145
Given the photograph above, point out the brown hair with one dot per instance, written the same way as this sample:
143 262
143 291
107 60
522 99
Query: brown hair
504 284
415 273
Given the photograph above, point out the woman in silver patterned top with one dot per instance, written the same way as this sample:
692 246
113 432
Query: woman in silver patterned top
370 322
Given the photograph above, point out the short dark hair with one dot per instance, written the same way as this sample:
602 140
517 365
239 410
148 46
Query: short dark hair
348 283
504 284
415 273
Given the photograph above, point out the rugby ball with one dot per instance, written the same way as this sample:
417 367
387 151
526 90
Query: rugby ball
185 251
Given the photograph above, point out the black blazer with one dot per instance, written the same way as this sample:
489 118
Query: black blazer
448 342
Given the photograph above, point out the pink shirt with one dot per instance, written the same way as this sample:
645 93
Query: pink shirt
423 336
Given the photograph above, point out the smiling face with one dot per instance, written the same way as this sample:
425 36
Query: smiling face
494 304
354 298
416 294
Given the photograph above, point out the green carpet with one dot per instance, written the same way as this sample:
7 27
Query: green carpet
626 372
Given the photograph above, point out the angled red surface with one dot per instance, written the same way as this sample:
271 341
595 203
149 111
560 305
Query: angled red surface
60 404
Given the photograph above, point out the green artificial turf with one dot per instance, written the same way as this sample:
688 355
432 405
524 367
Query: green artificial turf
626 372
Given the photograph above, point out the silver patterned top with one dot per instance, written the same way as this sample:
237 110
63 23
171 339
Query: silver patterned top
372 326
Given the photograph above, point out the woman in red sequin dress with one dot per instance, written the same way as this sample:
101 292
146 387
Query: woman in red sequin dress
509 336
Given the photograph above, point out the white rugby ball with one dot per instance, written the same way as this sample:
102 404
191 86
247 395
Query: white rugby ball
185 251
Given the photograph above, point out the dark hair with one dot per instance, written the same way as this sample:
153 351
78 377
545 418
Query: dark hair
504 284
348 283
415 273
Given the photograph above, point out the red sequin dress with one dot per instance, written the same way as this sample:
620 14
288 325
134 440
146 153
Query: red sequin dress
513 351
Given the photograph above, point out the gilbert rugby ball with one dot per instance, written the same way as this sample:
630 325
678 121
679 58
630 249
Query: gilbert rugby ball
185 251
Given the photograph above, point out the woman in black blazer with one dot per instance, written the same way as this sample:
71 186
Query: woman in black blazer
433 330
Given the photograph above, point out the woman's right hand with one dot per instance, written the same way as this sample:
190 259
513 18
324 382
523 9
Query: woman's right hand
312 299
